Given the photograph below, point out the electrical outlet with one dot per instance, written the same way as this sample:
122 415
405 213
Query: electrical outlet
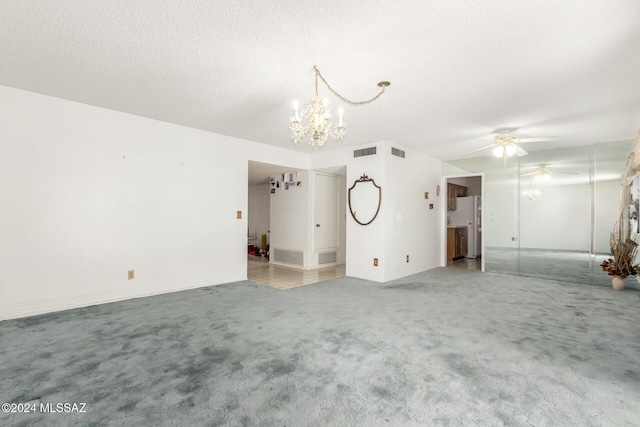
131 274
375 262
513 239
239 214
407 258
426 195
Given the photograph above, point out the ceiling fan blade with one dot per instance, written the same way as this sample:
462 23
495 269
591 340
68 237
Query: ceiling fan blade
520 152
540 139
478 149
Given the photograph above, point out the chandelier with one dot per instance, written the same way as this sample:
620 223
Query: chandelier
532 194
313 124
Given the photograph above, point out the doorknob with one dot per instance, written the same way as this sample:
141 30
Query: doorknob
317 225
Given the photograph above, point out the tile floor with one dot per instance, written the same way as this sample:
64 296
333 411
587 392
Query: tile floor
276 276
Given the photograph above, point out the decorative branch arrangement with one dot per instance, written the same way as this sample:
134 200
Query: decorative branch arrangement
623 251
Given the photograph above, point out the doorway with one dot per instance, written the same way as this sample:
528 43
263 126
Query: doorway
463 242
280 215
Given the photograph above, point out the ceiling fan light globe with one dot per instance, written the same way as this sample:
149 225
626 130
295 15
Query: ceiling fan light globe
510 149
543 176
498 151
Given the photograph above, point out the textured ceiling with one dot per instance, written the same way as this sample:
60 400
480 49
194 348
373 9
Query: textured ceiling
458 70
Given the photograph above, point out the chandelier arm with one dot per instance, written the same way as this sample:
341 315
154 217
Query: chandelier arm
348 101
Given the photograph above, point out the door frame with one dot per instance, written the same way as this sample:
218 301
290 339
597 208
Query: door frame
443 216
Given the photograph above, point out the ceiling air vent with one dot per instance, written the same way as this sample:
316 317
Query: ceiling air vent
397 152
364 152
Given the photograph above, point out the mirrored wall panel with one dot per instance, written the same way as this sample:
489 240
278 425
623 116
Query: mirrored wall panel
550 214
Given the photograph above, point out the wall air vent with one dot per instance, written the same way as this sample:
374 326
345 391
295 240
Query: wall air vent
327 257
364 152
288 257
397 152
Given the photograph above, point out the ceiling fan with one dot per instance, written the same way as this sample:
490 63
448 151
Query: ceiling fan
544 174
505 144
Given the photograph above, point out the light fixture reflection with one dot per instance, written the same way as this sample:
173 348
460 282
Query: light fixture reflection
543 175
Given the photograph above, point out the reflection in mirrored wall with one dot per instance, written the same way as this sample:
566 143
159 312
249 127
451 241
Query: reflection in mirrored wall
550 214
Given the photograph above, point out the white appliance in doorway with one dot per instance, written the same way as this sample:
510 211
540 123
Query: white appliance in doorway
469 213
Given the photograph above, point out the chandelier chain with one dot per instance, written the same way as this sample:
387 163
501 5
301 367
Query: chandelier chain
348 101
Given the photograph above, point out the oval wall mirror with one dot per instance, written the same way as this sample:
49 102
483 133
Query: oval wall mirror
364 200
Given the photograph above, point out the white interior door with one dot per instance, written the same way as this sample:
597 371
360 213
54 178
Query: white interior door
326 211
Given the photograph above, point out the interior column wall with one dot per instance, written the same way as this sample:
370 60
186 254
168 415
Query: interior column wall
403 182
412 225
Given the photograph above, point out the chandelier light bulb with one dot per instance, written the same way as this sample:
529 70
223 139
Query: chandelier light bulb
340 113
296 115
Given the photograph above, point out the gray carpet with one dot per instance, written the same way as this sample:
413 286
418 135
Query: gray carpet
444 347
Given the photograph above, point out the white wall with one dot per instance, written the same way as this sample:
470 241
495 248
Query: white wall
290 218
559 220
607 211
90 193
258 213
411 227
363 243
500 213
403 182
366 242
447 169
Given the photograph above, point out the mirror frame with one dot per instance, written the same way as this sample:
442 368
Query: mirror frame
365 178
